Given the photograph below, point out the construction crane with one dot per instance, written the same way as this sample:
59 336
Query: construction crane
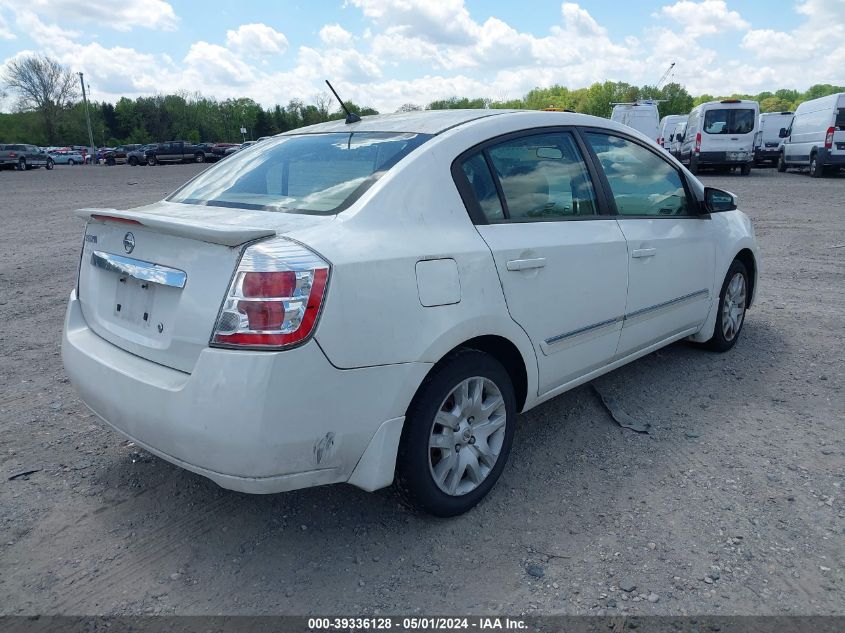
664 77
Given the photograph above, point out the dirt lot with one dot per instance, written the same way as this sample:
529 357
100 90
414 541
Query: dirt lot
732 505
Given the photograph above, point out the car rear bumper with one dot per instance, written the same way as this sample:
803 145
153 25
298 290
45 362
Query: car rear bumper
826 157
723 158
771 153
258 422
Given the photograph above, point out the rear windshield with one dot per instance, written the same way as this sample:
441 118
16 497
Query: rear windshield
729 121
310 173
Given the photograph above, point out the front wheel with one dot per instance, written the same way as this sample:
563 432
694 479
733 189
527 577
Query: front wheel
49 164
21 165
457 435
781 163
133 162
745 170
733 300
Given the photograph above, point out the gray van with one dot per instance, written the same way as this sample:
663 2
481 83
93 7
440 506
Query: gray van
816 137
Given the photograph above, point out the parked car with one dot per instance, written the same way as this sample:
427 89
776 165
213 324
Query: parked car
120 154
484 262
640 115
67 157
139 156
767 140
218 150
720 135
22 157
677 137
667 130
232 150
176 152
816 137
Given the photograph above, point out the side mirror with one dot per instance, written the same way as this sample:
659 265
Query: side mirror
783 132
716 200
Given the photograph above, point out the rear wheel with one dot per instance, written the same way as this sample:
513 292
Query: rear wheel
71 161
199 158
816 170
110 161
733 300
49 164
457 435
22 164
781 163
133 161
693 165
152 160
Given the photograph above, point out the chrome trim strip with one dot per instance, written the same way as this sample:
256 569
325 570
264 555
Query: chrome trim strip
137 269
666 304
629 316
583 330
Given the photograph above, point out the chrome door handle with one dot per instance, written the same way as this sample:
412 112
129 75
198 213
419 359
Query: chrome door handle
526 264
644 252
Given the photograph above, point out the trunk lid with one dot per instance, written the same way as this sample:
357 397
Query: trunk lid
152 279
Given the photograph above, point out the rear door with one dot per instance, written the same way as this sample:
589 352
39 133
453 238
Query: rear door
671 248
561 259
730 130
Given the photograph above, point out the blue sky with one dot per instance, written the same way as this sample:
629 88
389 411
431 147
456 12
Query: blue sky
389 52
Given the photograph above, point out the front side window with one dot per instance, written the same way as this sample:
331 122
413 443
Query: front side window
308 173
729 121
543 177
642 183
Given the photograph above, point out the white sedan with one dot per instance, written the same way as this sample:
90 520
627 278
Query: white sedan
375 302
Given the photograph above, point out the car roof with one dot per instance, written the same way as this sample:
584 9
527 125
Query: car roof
420 122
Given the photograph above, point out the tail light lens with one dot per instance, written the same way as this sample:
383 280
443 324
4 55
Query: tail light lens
828 138
698 142
274 299
12 155
660 141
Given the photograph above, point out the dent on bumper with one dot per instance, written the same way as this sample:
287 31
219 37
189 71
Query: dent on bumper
251 421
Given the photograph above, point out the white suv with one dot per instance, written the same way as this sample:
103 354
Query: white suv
377 301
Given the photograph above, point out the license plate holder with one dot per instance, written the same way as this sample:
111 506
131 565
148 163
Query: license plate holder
134 301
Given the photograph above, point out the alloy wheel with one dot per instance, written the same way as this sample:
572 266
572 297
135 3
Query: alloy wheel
467 435
733 307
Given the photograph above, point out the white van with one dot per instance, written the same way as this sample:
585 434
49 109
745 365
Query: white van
642 116
667 129
816 137
720 134
676 137
767 140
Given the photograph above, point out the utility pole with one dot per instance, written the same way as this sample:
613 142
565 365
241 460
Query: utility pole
87 116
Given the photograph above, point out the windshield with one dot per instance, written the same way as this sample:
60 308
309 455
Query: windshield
729 121
310 173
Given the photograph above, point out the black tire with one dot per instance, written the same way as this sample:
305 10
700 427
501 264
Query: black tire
781 163
49 164
152 161
719 342
414 480
693 165
21 166
133 161
199 157
71 162
745 170
110 161
816 170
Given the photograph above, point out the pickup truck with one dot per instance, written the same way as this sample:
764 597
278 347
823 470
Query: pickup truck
176 152
22 157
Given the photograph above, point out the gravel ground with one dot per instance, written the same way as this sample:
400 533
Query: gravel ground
732 505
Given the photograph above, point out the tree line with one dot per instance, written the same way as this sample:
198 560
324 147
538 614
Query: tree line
49 111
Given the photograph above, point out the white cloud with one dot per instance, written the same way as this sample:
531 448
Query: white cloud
257 40
335 35
441 22
707 17
122 15
213 63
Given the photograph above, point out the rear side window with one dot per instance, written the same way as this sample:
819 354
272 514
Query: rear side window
840 119
307 173
483 187
642 183
729 121
542 177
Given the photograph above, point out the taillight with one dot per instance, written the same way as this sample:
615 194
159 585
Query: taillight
828 138
12 155
275 297
660 141
698 142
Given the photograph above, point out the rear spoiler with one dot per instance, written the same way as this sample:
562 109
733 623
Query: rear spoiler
215 233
